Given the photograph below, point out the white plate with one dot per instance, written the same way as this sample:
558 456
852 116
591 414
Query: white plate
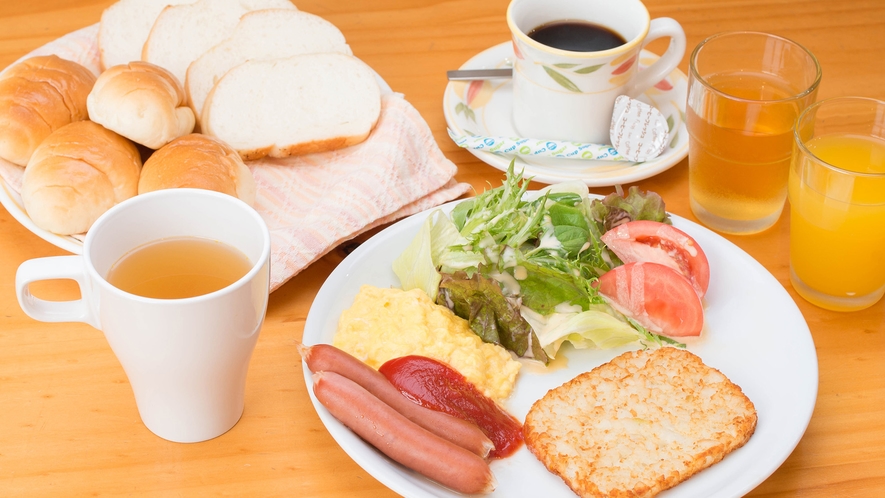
755 335
486 112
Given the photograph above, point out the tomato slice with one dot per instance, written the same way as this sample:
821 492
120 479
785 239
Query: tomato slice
654 242
656 296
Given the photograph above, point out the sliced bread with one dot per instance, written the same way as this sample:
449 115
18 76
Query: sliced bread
182 33
124 28
639 424
261 35
292 106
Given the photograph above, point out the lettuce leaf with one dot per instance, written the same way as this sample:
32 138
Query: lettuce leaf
415 267
616 208
491 316
447 246
543 289
594 328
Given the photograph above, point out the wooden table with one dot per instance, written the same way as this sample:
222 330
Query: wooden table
68 422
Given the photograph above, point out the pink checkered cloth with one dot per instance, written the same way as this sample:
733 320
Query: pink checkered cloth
313 203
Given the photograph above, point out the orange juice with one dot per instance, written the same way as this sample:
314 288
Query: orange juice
837 234
739 149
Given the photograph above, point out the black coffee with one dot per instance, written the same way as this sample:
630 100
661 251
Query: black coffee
576 36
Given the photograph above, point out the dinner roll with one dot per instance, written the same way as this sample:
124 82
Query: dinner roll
38 96
198 161
141 101
80 171
292 106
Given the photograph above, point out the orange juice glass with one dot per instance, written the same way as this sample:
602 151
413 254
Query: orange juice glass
745 92
837 199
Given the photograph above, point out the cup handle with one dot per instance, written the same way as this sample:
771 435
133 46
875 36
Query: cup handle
57 267
659 28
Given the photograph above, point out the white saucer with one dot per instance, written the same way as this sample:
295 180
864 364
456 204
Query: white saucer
483 108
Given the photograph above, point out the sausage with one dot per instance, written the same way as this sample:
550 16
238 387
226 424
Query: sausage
401 439
325 357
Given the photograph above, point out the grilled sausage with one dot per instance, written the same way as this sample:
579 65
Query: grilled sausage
325 357
401 439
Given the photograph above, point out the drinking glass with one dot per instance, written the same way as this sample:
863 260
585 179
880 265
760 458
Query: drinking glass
745 91
837 204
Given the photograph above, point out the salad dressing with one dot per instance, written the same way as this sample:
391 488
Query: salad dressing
509 285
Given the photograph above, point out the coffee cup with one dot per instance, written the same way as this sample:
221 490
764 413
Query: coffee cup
574 58
185 358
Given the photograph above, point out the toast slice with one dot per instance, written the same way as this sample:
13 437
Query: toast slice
639 424
124 28
182 33
261 35
298 105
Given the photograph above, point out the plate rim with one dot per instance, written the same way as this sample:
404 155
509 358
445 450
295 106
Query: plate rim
11 202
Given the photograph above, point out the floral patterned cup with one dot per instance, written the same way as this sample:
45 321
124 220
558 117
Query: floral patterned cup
566 95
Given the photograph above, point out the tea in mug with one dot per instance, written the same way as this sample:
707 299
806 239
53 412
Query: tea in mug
178 268
576 36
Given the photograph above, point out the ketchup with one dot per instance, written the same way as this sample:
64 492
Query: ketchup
437 386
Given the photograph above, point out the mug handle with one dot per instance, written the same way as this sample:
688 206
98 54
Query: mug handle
659 28
56 267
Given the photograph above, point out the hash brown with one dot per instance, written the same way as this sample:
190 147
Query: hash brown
639 424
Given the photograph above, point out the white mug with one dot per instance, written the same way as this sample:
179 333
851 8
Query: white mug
568 95
186 359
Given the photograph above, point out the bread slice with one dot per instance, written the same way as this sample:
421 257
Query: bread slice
124 28
639 424
182 33
297 105
261 35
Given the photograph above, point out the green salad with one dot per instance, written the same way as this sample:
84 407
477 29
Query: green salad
521 268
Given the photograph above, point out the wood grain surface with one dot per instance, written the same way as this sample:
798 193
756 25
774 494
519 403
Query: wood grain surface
68 421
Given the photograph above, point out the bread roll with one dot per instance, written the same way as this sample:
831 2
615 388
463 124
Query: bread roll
80 171
38 96
182 33
142 102
125 26
261 35
298 105
198 161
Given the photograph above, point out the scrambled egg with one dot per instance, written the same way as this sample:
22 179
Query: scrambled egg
389 323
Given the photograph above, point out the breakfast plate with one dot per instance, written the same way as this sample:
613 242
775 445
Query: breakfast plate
483 108
754 334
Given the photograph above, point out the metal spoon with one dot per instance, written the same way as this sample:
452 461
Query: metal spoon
479 74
